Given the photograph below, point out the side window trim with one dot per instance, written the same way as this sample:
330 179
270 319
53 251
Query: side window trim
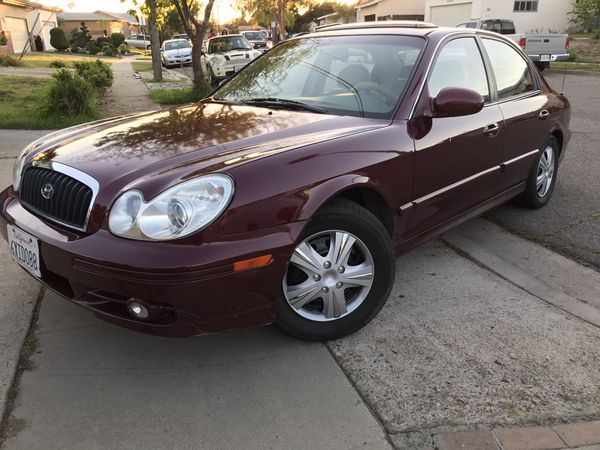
534 74
477 44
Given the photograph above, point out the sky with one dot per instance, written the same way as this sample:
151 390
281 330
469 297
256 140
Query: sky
223 10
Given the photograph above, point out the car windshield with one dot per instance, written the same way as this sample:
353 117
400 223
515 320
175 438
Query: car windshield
363 76
174 45
255 36
228 43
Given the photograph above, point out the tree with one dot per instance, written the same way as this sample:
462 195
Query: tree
196 30
587 11
58 40
310 15
346 13
263 12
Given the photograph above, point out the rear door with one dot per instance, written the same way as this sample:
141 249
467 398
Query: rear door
524 106
456 158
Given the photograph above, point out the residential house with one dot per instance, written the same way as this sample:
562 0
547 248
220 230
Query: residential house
528 15
376 10
99 23
22 21
333 18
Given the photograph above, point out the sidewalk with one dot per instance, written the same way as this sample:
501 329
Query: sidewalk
128 94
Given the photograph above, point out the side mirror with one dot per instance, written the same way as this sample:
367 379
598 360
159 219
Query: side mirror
454 102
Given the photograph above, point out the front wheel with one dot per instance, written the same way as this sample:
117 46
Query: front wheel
339 275
542 178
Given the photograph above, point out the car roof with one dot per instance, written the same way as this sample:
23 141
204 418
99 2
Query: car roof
406 26
225 36
175 40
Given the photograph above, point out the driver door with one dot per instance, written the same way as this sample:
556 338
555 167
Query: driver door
455 157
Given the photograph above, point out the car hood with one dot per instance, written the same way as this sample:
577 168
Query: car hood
178 52
157 149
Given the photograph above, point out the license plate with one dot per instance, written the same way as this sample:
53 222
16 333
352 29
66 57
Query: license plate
545 58
25 249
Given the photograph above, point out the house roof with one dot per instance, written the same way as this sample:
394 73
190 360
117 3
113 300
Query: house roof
327 15
97 15
366 4
29 4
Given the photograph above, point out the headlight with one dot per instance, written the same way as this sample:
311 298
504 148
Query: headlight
177 212
20 163
218 60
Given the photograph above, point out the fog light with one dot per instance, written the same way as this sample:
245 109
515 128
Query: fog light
138 310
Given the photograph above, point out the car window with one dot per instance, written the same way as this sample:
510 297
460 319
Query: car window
508 27
225 44
512 73
467 25
346 75
174 45
459 64
255 36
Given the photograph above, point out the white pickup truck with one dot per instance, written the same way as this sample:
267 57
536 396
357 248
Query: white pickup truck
541 48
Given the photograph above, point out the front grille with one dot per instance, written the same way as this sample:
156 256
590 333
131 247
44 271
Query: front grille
66 199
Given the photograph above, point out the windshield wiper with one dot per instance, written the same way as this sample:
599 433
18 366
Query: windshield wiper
272 102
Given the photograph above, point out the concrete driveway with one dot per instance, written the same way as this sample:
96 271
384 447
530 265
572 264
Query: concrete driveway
482 329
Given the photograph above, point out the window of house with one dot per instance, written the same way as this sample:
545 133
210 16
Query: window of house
370 18
526 5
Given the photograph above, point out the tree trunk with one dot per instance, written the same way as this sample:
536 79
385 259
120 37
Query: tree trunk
200 83
154 41
281 4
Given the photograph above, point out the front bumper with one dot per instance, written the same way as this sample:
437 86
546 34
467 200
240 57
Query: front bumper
178 60
229 69
194 288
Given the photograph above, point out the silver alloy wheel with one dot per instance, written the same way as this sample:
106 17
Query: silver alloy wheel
329 276
545 172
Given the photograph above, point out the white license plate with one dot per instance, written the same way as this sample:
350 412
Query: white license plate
545 58
25 249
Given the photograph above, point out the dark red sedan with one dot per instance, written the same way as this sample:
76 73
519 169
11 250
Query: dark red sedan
286 195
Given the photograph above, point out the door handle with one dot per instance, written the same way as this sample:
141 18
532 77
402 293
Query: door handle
543 114
491 130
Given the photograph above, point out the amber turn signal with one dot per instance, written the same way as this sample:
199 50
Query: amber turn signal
252 263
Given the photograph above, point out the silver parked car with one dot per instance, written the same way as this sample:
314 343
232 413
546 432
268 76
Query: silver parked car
175 51
138 41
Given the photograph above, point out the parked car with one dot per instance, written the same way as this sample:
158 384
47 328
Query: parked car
541 48
176 52
181 36
138 41
258 39
225 55
286 196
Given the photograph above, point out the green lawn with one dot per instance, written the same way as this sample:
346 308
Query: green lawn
142 66
176 96
43 60
19 103
590 67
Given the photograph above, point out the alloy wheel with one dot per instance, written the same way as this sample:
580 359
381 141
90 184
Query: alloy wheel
545 172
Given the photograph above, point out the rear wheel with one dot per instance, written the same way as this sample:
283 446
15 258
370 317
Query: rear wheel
542 178
339 275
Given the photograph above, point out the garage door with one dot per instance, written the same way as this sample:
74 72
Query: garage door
19 33
450 15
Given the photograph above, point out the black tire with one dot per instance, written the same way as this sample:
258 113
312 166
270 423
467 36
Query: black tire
531 197
347 216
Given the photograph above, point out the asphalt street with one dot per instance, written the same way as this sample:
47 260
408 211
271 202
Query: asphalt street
482 328
570 223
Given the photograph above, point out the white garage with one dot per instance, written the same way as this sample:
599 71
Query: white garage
450 15
19 32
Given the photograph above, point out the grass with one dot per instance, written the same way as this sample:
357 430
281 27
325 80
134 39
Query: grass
590 67
19 104
144 58
43 60
142 66
176 96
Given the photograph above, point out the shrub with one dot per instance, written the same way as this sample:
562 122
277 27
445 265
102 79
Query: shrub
97 73
123 49
58 40
74 48
103 40
573 56
8 60
117 39
69 95
596 34
108 50
80 36
92 48
3 38
57 64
